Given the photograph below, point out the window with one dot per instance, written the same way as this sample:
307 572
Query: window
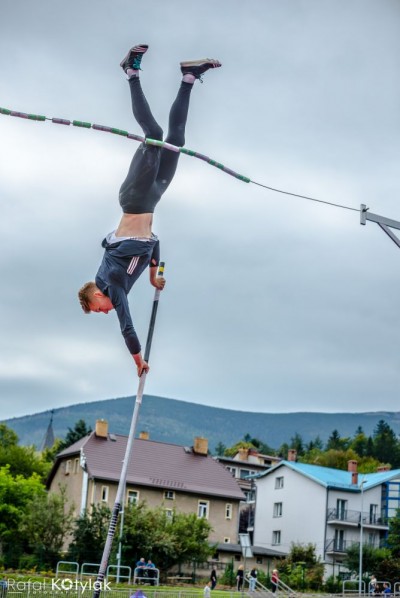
203 509
278 509
227 540
279 483
373 539
132 497
341 509
68 466
104 494
169 513
76 465
245 472
276 537
232 470
169 495
339 544
373 513
259 560
228 511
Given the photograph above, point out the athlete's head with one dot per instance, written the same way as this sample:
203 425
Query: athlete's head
92 299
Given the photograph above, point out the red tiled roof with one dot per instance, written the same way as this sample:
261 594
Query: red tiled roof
156 464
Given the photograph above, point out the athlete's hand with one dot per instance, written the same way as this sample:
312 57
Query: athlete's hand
141 364
158 282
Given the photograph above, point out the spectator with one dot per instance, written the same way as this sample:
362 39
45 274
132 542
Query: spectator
151 573
253 579
239 578
386 589
207 590
213 578
372 585
274 580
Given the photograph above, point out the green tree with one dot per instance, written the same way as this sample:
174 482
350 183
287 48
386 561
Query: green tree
336 442
359 443
386 446
89 535
168 541
393 539
15 494
372 557
301 569
231 452
47 521
79 430
220 449
21 460
296 442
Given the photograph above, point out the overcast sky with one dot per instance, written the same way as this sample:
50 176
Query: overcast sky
272 303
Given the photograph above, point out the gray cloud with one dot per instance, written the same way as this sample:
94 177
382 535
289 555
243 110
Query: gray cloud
272 303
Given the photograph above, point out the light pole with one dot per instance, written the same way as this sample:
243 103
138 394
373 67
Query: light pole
360 565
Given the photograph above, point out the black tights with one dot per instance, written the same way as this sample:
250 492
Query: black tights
153 168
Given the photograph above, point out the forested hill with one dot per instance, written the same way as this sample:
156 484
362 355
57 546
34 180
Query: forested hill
179 422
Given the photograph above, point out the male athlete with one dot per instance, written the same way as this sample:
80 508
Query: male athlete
132 246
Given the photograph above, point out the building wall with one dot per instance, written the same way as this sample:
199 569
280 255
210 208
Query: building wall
303 511
217 510
70 475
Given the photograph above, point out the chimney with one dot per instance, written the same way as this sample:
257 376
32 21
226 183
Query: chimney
144 435
200 446
352 468
243 454
292 455
101 429
382 468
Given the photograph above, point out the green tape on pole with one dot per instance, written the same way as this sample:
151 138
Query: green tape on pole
80 123
189 152
5 111
119 132
36 117
243 178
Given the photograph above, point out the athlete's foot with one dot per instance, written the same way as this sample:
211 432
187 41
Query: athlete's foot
134 57
198 67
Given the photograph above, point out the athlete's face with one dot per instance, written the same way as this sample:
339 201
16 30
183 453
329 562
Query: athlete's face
101 303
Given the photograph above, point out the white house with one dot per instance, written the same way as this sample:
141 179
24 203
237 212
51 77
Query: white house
302 503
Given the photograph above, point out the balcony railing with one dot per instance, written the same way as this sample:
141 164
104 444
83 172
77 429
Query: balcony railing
354 517
338 545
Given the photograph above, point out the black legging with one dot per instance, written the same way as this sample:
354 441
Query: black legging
153 168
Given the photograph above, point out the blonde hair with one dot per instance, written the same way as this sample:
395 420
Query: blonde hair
85 296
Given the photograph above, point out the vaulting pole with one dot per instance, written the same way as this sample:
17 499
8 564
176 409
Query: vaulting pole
119 499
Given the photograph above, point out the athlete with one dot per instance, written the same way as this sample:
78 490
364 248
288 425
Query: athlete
133 246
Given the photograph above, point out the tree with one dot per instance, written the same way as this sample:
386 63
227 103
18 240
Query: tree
73 435
386 446
89 535
301 568
167 541
359 443
371 558
21 460
393 539
220 449
336 442
296 442
47 520
15 493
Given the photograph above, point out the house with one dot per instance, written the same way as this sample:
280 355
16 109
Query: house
175 477
330 508
185 479
243 466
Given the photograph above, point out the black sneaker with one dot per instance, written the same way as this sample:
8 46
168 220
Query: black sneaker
134 57
198 67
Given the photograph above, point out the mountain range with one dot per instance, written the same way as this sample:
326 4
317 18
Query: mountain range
178 422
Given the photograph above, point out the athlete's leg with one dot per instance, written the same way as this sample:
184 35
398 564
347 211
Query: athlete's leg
146 161
178 117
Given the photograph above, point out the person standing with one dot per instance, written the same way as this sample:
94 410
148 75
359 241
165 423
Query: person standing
274 580
207 590
240 578
253 579
213 578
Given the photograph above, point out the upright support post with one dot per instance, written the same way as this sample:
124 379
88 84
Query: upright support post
384 223
128 451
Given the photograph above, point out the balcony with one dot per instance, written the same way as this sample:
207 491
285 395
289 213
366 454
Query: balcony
339 546
352 518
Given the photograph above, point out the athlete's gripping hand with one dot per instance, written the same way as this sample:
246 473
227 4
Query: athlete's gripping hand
141 364
158 282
